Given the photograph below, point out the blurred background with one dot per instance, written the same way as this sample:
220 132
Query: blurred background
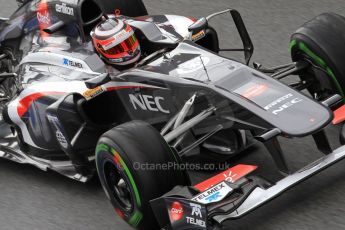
31 199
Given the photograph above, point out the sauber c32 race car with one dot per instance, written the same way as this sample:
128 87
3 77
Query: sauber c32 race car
61 104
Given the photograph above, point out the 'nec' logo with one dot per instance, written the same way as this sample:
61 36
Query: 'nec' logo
147 102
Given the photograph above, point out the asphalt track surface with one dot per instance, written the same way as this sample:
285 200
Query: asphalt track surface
31 199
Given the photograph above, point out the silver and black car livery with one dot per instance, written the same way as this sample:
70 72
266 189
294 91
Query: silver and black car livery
61 103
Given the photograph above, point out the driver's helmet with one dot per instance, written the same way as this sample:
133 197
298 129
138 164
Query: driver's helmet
115 41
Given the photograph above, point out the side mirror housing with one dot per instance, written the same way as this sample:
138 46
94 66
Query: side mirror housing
198 26
98 80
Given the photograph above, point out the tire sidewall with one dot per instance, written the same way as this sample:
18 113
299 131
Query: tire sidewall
134 218
138 142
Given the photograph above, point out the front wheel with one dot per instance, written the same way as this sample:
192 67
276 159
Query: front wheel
320 41
130 161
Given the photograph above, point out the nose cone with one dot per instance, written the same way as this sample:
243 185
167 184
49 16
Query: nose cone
285 108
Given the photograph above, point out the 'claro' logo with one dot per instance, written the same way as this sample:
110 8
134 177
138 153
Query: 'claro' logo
176 211
147 103
43 17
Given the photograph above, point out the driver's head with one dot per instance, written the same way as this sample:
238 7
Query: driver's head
115 42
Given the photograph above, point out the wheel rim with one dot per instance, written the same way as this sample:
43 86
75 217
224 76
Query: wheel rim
119 187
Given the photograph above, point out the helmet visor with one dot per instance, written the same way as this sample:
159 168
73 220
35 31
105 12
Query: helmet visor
123 48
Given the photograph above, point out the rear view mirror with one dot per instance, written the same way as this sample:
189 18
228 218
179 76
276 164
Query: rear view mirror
248 47
198 26
98 81
55 27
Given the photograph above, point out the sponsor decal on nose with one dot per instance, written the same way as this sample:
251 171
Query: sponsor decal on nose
176 211
254 91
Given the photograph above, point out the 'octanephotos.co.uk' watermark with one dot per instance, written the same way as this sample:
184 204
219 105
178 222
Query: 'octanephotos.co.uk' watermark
180 166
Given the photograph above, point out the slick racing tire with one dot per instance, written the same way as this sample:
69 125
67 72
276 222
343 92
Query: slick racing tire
321 42
131 8
121 157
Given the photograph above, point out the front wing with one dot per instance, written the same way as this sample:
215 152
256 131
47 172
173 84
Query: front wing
221 198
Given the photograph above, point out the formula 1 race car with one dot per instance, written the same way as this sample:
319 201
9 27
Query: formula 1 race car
61 104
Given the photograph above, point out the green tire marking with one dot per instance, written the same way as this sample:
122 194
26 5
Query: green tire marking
316 58
99 148
137 216
293 43
129 174
135 219
330 73
320 62
102 147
